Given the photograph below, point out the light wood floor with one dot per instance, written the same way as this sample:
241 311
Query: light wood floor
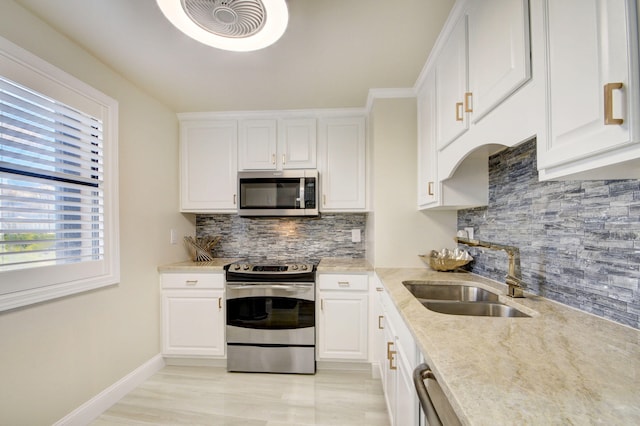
179 395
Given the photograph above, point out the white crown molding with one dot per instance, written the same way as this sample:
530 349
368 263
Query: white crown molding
394 93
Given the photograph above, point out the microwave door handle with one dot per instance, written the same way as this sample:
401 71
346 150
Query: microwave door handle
301 203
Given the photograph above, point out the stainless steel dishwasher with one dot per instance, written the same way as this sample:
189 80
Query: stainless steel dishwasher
437 409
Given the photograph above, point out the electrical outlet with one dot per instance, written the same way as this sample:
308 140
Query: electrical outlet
355 236
469 232
173 236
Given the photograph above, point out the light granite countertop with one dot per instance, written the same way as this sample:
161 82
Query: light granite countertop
561 366
343 265
217 264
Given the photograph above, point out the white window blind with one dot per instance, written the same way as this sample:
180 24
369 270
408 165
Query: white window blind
58 182
51 179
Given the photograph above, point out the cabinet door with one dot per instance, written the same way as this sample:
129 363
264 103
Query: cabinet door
297 143
343 326
343 175
407 408
591 43
499 52
208 165
451 82
427 150
193 322
257 148
389 371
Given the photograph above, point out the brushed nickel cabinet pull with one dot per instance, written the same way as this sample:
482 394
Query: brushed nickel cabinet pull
273 158
430 188
324 200
458 111
389 349
234 199
219 303
380 317
379 289
391 359
468 99
343 283
322 304
284 159
191 282
608 104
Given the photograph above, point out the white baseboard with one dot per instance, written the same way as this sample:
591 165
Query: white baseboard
97 405
196 362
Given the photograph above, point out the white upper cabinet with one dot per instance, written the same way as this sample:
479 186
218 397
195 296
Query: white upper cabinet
257 147
270 144
428 191
342 171
592 90
297 143
208 165
499 52
451 80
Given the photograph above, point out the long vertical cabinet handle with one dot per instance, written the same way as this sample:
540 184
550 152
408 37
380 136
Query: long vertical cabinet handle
235 197
459 111
430 188
380 317
219 303
322 304
608 104
284 159
468 102
391 359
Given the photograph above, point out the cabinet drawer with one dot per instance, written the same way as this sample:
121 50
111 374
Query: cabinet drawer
343 282
192 280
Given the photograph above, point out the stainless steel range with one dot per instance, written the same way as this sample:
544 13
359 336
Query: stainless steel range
271 318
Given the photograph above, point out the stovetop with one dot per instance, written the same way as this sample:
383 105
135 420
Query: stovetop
247 267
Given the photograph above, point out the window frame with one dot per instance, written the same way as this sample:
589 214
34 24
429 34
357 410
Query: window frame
51 282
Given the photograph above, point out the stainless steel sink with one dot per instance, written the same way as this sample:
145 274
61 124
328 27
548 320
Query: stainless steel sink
459 299
455 292
481 309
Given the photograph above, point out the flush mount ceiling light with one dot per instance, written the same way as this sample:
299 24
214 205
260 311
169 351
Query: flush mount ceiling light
237 25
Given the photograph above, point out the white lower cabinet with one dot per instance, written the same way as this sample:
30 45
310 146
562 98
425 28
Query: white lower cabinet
397 355
342 317
193 315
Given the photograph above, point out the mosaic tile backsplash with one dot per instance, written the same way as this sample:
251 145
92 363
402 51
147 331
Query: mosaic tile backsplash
579 241
284 238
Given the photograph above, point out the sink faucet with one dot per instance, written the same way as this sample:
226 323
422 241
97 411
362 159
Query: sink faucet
513 280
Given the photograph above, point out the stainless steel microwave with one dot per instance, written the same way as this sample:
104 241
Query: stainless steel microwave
278 193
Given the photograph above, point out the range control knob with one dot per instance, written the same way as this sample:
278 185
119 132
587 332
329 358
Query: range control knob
294 267
245 267
303 267
236 267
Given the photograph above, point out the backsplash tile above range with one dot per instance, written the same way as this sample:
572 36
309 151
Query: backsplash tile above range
579 240
285 238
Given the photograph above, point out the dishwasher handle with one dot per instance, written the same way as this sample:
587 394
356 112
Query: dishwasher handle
436 407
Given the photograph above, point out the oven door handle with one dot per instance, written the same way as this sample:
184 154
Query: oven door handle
286 287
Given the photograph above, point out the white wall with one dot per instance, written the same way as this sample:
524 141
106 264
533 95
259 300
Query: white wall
397 231
56 355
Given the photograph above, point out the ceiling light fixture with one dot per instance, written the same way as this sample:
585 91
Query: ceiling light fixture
236 25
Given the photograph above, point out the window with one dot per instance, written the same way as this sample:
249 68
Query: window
58 192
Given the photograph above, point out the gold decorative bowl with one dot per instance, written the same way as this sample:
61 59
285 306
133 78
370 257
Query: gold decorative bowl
446 260
200 248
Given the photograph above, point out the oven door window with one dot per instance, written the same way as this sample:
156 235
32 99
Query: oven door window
272 313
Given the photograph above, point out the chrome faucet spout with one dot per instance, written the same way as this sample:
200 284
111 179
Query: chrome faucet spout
513 278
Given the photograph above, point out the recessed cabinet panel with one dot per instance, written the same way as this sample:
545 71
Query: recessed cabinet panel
297 143
499 52
343 326
193 323
208 165
428 185
258 145
343 173
592 93
451 81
